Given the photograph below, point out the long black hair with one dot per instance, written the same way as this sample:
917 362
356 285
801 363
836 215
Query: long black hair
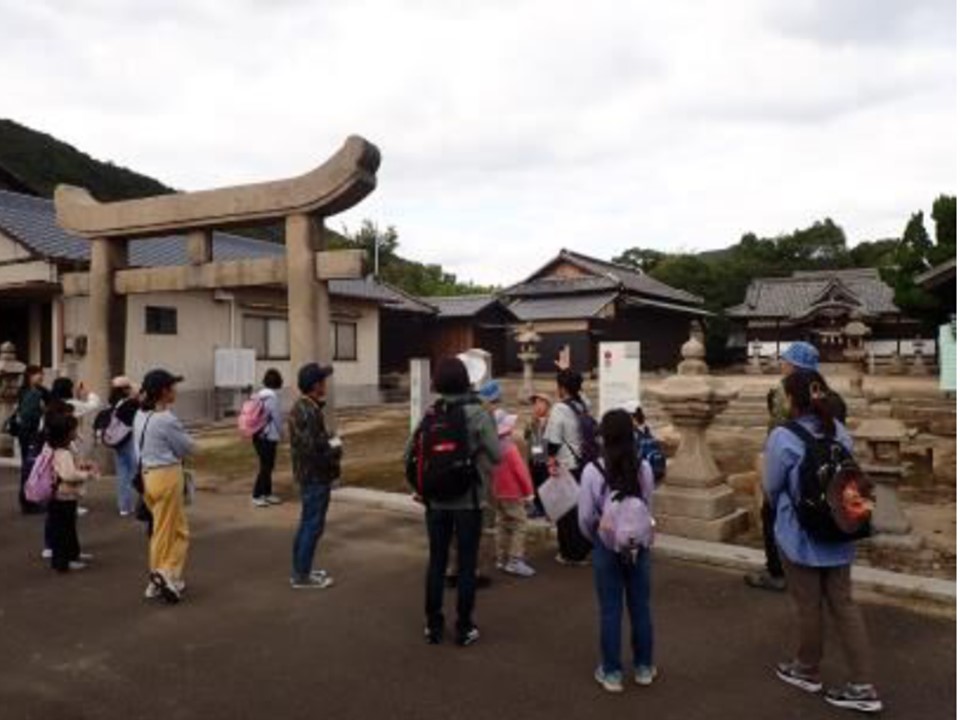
620 452
59 430
809 395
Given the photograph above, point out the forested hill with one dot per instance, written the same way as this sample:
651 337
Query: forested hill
41 162
37 162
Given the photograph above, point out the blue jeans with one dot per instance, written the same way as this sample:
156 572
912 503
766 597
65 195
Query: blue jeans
315 501
615 579
126 462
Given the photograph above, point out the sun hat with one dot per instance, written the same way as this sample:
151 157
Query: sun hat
490 391
802 355
506 423
536 395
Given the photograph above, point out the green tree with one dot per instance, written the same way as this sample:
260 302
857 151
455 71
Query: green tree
944 214
640 259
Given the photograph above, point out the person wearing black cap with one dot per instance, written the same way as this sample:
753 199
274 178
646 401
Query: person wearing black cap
162 444
316 465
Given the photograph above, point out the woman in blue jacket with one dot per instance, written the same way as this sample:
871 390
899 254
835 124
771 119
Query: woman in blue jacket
817 572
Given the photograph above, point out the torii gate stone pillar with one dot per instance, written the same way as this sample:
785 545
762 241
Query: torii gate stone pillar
302 203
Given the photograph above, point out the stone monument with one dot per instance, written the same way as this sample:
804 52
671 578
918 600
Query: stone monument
879 442
527 339
419 390
694 500
11 377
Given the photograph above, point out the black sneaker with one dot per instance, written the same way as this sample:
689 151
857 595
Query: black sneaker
793 673
763 580
433 637
167 588
469 637
855 697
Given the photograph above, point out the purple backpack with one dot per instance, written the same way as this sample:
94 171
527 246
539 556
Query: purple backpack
626 525
43 478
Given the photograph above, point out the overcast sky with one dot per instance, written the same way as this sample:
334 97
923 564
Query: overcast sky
510 129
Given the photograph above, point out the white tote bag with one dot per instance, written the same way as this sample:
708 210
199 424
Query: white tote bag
559 495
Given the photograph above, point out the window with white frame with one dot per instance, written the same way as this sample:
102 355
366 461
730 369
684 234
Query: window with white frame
344 340
269 336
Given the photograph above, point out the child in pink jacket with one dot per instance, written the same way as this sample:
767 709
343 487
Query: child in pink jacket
512 490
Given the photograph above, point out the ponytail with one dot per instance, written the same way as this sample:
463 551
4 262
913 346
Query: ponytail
809 395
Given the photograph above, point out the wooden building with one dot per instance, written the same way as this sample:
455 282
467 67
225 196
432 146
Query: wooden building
578 301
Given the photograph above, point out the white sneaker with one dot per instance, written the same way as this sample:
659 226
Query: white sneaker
86 557
518 567
47 554
152 592
274 500
81 511
312 582
77 565
125 513
260 502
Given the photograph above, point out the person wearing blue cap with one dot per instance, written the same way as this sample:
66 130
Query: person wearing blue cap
799 356
316 465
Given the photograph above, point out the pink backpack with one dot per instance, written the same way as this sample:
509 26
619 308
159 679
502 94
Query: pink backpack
253 416
43 479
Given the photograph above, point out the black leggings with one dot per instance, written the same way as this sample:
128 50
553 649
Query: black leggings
267 452
62 516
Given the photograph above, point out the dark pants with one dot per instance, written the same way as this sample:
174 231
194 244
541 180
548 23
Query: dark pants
267 452
615 580
442 525
768 516
28 454
574 547
539 474
315 501
62 523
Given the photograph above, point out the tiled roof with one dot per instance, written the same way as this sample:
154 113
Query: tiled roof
793 297
460 306
32 221
602 275
568 307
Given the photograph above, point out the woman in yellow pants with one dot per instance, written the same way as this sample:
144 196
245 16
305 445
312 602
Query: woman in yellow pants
162 444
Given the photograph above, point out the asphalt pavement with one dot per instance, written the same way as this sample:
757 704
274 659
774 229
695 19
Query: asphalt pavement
243 645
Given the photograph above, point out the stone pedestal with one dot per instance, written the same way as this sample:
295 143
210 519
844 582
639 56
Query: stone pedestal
879 446
755 364
694 501
527 339
918 367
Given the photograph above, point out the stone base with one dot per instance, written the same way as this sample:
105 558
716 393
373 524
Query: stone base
715 530
697 503
896 542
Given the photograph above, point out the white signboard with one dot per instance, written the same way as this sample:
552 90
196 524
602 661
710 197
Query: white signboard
619 364
948 358
419 390
234 367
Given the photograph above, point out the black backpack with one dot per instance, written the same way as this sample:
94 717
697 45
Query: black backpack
440 466
835 503
101 422
589 432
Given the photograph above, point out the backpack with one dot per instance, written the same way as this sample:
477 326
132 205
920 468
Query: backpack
440 466
649 449
116 433
253 416
42 480
626 525
12 425
589 432
835 502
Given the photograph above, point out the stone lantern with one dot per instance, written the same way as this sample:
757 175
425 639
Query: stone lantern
755 364
527 340
918 367
11 377
879 443
694 499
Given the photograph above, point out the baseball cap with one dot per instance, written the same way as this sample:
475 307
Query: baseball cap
159 379
312 373
802 355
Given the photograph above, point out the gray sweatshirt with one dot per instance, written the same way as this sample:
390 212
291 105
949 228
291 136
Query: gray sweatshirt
166 442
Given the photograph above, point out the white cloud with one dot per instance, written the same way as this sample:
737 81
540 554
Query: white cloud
511 129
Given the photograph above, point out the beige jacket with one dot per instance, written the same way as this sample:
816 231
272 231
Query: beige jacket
71 480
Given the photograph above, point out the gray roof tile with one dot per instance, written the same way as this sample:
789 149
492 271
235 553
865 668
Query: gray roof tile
570 307
460 306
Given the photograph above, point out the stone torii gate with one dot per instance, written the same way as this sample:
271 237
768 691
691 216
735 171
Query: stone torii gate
302 203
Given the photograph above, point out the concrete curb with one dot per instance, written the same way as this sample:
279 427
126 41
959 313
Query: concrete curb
709 553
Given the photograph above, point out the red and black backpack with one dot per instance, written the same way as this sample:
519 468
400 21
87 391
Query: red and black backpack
440 466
